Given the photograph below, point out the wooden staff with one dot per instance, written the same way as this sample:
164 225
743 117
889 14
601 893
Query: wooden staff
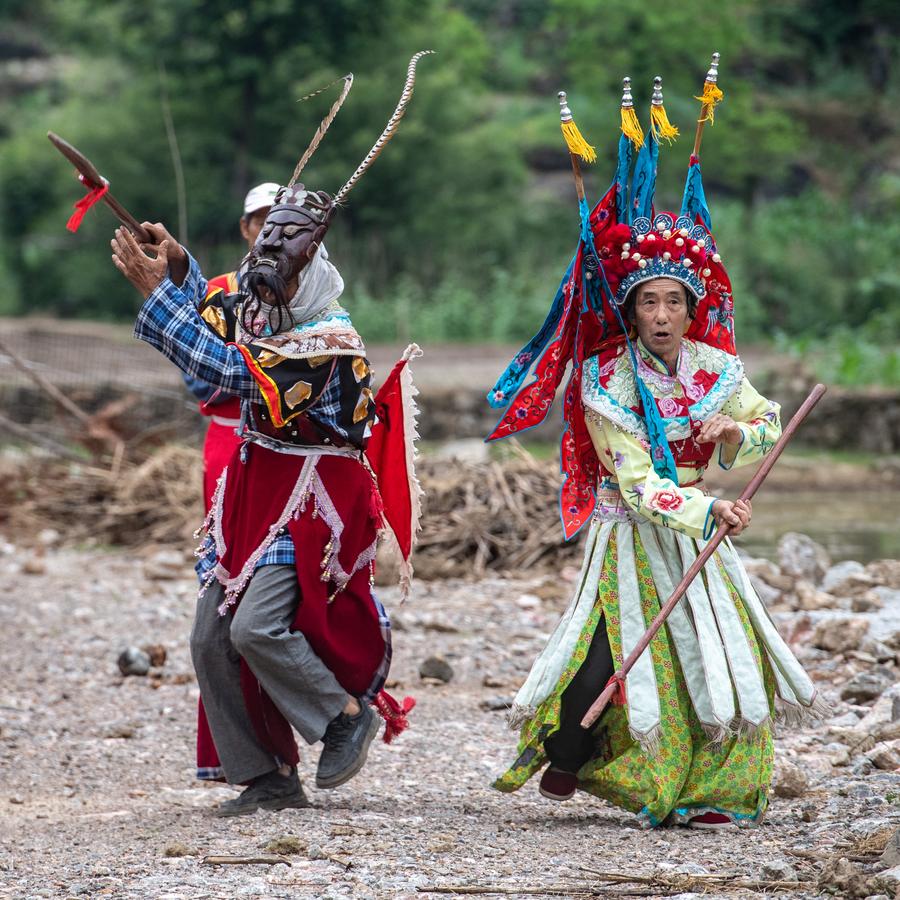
92 179
712 94
578 147
617 682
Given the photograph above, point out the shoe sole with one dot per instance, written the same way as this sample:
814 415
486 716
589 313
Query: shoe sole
710 826
269 805
343 777
560 797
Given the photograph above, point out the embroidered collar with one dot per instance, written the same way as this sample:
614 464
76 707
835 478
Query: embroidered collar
618 401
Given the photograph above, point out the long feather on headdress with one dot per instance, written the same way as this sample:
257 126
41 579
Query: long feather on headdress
389 129
325 124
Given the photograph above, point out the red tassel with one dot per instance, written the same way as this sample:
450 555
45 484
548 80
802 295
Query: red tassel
618 697
376 507
393 713
84 204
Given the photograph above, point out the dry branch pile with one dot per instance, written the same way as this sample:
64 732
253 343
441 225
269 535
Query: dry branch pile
478 517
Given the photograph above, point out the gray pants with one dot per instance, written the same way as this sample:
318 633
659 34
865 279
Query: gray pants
300 685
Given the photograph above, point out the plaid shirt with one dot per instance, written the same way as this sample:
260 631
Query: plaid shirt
169 321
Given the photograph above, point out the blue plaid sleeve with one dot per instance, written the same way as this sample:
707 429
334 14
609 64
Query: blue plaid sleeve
169 321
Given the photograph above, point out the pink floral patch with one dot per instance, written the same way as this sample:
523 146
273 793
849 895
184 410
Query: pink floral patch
669 407
665 501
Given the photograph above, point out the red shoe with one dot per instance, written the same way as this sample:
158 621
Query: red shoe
711 821
558 785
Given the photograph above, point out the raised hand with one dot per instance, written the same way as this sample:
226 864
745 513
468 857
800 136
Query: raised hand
719 429
145 266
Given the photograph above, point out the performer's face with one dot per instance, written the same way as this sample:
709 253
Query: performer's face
661 316
252 224
288 240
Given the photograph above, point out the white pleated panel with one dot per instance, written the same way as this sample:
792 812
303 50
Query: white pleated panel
780 654
662 554
746 674
553 659
715 663
640 684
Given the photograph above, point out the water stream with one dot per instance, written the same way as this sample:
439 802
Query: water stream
861 525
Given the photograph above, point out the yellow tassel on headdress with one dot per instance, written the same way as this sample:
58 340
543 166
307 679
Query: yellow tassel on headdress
631 127
712 97
576 143
663 129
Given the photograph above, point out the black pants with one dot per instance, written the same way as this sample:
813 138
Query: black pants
572 746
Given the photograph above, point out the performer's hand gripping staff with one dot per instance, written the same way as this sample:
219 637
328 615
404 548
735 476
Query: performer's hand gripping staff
615 687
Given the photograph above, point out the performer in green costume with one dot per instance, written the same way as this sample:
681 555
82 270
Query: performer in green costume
657 392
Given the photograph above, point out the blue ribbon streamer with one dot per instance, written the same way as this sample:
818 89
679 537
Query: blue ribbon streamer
694 201
511 380
643 182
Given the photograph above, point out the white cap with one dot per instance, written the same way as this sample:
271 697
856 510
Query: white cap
260 197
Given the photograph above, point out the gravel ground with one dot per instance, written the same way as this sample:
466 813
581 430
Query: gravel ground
98 797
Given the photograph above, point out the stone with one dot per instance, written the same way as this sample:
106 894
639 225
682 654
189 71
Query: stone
49 536
890 857
436 667
762 570
157 654
768 594
496 704
790 780
888 880
842 877
839 573
866 686
877 649
838 754
287 845
34 565
176 850
809 812
870 601
885 755
165 565
778 870
799 556
885 571
808 596
133 661
840 634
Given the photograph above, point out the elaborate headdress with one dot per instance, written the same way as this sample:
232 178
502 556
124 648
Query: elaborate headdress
623 242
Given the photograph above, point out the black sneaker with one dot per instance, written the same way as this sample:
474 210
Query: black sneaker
270 791
346 740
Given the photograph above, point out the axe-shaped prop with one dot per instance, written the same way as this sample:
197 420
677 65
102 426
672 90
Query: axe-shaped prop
98 189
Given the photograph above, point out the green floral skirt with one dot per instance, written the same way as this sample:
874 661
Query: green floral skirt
687 775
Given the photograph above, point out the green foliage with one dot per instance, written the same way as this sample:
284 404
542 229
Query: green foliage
462 228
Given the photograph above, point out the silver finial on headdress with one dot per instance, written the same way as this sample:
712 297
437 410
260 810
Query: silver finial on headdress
389 129
627 99
712 76
657 98
565 114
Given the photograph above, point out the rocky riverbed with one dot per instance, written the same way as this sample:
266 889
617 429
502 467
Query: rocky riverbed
98 798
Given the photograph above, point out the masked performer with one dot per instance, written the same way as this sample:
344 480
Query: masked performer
288 631
657 392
